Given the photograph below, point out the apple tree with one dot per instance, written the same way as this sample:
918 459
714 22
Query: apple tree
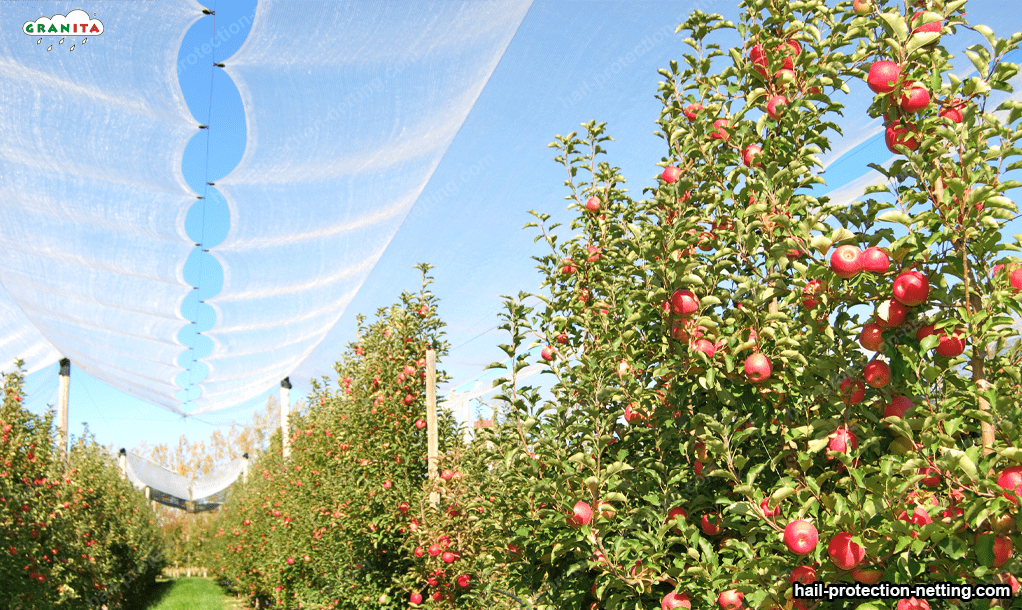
328 527
739 353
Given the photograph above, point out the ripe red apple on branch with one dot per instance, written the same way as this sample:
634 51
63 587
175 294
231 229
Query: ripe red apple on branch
845 553
674 600
800 537
731 599
846 261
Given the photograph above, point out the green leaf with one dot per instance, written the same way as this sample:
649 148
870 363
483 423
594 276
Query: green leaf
921 39
895 25
817 444
958 460
896 216
617 467
982 66
987 33
821 243
780 494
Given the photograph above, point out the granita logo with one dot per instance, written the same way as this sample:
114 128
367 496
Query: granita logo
77 22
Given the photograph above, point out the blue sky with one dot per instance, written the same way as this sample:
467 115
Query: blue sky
569 63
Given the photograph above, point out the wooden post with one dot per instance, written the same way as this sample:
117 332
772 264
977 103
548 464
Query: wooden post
122 461
62 400
244 468
433 435
285 407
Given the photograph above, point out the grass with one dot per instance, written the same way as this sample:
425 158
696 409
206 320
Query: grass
186 594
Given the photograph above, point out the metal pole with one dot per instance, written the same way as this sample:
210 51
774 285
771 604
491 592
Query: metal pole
433 435
285 407
62 401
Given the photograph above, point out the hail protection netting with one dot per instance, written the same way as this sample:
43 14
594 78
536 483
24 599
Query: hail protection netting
92 230
349 107
172 489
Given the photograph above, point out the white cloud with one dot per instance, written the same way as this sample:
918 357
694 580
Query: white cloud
77 22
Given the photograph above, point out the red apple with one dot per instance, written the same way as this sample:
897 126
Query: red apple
674 600
1016 279
433 550
449 557
606 510
706 240
759 59
914 96
684 303
593 204
1002 550
547 353
633 415
676 513
872 337
845 554
898 407
899 135
953 112
420 424
670 174
464 581
932 478
730 599
933 26
911 288
757 368
775 106
877 373
751 152
862 7
809 293
719 132
883 76
709 528
415 599
764 506
1010 480
852 390
704 346
1008 579
925 331
867 577
784 77
419 552
846 261
919 517
803 574
843 440
447 475
692 111
800 537
913 604
875 260
890 314
568 268
951 345
562 339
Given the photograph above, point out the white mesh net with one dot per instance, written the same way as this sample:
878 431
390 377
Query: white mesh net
93 195
143 473
350 108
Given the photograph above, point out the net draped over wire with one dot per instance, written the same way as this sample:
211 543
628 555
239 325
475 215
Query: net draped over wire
172 489
349 107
